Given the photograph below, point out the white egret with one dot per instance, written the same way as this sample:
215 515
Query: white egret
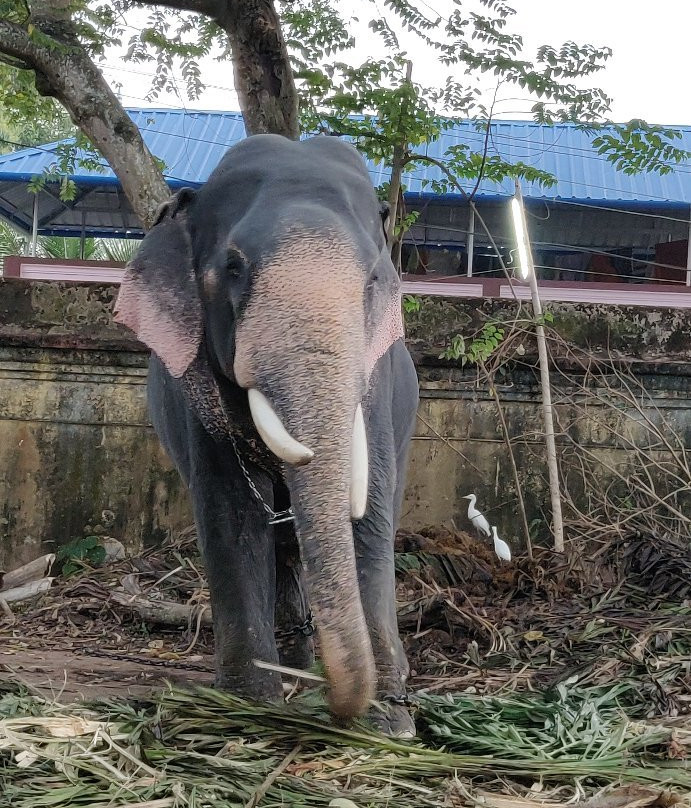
501 548
479 522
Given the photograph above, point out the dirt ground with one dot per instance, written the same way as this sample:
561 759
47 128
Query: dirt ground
67 676
469 622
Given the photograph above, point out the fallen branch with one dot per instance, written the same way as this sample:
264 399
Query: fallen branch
167 612
27 591
273 776
34 570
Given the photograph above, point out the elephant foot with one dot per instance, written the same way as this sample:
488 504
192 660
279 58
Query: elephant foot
392 719
253 684
296 651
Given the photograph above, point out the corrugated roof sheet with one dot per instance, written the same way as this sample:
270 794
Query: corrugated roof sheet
190 143
567 153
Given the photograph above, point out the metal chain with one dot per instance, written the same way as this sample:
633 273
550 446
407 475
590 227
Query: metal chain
275 517
402 701
306 629
143 660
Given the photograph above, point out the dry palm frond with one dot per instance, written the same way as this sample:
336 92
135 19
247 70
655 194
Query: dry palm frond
207 748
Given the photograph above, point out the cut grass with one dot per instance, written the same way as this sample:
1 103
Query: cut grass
207 748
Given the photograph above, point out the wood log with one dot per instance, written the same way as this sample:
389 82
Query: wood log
167 612
5 609
33 571
26 591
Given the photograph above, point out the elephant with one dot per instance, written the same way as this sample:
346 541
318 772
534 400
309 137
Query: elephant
281 387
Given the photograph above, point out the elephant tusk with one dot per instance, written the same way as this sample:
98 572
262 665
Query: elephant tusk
273 433
359 470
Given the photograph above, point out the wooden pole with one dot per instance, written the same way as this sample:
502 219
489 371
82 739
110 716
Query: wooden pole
547 411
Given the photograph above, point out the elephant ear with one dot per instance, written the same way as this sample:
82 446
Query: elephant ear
158 296
384 318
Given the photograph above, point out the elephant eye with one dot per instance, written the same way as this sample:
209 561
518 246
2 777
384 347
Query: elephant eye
236 263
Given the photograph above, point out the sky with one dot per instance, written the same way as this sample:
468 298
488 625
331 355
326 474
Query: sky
647 76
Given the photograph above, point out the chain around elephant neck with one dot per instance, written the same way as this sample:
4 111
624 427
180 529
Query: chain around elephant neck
275 517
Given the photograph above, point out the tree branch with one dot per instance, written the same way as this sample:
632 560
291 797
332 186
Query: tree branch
15 42
209 8
17 64
65 71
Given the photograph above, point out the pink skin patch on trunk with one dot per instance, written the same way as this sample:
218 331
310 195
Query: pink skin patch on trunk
306 311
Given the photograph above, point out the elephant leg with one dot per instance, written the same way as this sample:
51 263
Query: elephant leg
237 546
293 624
374 547
391 419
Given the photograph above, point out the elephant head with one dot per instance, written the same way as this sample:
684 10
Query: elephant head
275 276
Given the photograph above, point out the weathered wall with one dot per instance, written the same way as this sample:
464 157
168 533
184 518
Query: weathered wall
76 449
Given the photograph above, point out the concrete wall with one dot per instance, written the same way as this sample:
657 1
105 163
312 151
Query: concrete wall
76 449
77 452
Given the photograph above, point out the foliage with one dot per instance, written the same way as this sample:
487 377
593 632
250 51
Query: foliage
73 152
411 303
485 344
392 110
546 318
80 552
12 242
636 147
583 722
69 248
479 349
121 250
382 110
27 118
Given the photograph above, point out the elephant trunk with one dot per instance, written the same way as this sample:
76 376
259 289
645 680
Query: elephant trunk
327 479
321 496
305 355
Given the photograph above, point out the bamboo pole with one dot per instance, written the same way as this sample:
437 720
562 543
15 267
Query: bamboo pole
528 267
470 240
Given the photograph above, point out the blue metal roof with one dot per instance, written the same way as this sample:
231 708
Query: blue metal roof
190 143
567 153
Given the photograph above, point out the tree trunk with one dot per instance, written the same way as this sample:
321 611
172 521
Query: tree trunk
397 167
64 70
263 76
